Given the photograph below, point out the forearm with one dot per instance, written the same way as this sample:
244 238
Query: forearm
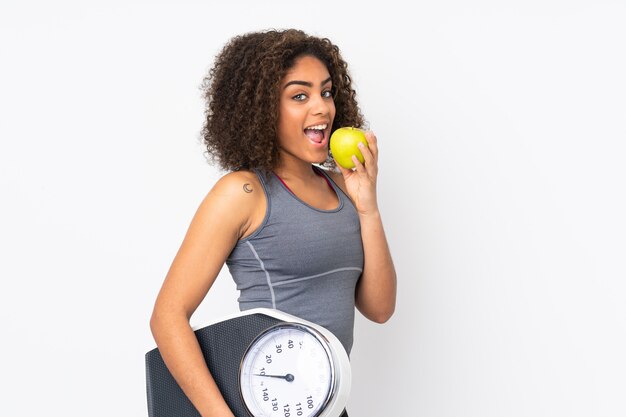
181 353
376 290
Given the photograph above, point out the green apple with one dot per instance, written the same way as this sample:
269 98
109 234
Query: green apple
344 143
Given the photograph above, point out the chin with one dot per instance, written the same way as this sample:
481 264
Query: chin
320 160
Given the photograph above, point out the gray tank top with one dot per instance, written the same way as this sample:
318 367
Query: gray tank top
302 260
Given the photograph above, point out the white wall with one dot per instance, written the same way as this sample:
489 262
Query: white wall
501 129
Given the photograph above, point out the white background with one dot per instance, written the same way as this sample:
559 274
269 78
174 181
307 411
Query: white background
502 178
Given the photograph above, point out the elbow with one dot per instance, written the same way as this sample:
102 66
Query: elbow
377 311
382 316
159 321
379 315
166 318
155 323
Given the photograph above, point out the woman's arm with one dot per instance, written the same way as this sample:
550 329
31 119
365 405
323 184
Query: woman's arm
225 215
376 290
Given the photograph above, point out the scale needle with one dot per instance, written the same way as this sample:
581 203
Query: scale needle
288 377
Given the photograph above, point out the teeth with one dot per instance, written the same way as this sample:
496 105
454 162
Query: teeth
318 127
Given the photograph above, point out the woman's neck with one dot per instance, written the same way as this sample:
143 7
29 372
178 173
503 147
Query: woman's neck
301 170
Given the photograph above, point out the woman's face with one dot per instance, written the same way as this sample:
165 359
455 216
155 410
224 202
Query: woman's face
306 111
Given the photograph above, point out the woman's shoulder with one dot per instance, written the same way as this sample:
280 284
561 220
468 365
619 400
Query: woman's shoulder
238 198
238 187
236 182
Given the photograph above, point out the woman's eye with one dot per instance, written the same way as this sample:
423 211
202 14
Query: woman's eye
327 94
299 97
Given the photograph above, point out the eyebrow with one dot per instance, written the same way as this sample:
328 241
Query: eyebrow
306 83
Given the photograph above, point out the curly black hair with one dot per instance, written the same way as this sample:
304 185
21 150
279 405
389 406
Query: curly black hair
242 94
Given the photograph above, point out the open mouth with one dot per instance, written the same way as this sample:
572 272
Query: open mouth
316 133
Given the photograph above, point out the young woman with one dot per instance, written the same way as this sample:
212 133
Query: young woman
298 238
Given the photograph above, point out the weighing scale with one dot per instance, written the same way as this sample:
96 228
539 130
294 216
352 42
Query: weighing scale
266 363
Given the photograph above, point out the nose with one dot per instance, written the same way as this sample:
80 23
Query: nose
321 105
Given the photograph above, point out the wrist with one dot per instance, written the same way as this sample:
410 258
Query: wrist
369 215
219 412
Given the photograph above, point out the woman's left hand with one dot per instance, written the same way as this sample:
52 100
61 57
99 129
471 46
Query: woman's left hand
361 181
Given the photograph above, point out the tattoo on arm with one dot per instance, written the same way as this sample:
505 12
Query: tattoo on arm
247 188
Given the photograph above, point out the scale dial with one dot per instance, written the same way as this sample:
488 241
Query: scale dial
287 371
